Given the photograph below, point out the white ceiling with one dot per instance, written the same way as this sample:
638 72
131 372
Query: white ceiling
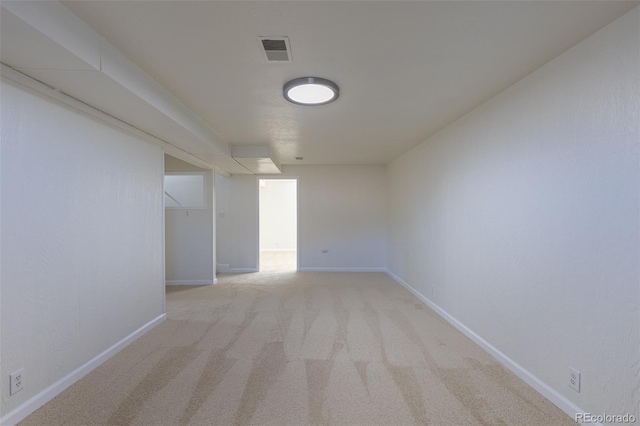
405 69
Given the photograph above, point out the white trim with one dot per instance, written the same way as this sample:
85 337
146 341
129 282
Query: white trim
191 282
225 268
214 226
278 249
222 268
547 391
164 239
37 401
241 270
329 269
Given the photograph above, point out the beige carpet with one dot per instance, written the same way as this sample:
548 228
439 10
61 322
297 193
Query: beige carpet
278 261
300 348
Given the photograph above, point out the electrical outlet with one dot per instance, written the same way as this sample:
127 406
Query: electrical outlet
574 379
17 382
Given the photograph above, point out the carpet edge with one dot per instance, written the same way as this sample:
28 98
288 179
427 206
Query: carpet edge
541 387
32 404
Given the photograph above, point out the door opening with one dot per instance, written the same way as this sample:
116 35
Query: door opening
278 225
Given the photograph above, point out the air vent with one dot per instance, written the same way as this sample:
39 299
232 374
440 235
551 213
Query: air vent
276 49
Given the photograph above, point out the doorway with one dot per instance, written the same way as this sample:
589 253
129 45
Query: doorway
189 228
278 225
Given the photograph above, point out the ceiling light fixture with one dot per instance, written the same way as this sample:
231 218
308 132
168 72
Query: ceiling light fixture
310 91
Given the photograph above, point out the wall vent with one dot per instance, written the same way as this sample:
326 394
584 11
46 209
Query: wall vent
276 49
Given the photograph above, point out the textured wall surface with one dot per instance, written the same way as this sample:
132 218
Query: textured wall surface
237 221
189 234
342 210
82 264
521 220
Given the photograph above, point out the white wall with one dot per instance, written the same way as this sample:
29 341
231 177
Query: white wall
342 210
237 223
82 218
278 215
521 220
189 235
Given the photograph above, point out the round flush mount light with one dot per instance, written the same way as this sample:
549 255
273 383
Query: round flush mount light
310 91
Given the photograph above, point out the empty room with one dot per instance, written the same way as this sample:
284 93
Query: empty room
319 212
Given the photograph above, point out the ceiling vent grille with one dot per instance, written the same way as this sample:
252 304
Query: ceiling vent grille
276 49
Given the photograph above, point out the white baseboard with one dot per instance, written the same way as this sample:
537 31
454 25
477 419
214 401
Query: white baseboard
313 269
190 282
547 391
225 268
277 249
237 270
37 401
222 268
241 270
